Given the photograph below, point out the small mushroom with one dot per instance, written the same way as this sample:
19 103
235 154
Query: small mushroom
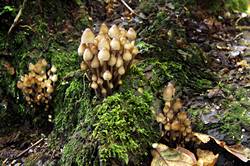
87 36
131 34
114 32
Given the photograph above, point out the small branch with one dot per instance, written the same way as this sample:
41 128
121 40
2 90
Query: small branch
243 27
26 150
17 17
130 9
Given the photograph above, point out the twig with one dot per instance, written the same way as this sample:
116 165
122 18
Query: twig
127 6
243 27
17 16
26 150
3 163
130 9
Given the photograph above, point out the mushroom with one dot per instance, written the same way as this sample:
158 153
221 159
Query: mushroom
131 34
103 29
38 85
114 32
87 36
107 56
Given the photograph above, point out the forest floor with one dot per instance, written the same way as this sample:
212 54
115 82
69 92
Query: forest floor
221 111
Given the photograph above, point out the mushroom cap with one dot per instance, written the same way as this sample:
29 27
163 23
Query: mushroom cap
31 67
93 49
103 55
95 63
107 75
123 31
50 89
83 66
112 60
135 51
81 49
127 56
111 85
176 125
123 40
121 70
168 92
94 85
103 44
53 68
104 91
44 62
99 81
87 55
54 78
87 36
119 62
114 32
182 116
115 44
103 29
94 77
128 45
131 34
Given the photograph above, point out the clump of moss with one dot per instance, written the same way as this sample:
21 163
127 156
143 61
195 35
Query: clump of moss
233 118
175 57
71 103
123 128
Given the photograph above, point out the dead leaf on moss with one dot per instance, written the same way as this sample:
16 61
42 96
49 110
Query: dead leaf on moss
204 138
239 151
243 153
165 156
206 158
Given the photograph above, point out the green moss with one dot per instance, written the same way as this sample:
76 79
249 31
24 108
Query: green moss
233 118
195 114
123 127
184 63
237 116
71 102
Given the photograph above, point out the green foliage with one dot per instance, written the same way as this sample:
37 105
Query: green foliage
122 119
221 6
65 62
237 116
149 6
171 57
123 126
8 9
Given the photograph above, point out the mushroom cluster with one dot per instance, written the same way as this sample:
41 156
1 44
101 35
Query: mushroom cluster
110 5
177 126
38 85
107 56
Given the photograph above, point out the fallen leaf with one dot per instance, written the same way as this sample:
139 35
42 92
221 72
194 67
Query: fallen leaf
165 156
204 138
239 151
243 153
206 158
